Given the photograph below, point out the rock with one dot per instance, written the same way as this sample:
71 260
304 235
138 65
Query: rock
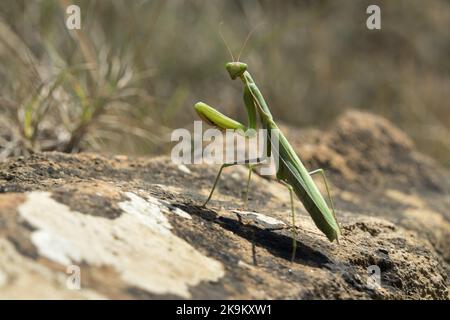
135 227
258 219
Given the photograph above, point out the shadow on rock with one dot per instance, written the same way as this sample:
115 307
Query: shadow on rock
275 242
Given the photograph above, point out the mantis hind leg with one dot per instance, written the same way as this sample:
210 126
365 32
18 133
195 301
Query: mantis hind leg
322 173
293 230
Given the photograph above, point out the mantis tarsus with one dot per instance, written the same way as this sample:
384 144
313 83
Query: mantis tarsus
291 171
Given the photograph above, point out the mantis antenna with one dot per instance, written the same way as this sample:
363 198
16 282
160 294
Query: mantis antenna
246 40
225 42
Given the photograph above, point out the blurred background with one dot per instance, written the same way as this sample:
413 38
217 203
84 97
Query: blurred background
135 69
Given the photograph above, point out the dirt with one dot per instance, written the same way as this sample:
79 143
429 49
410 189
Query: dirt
135 227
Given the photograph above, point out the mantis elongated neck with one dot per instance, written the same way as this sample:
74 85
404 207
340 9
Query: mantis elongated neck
258 100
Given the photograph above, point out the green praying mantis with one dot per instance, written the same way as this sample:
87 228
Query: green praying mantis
290 172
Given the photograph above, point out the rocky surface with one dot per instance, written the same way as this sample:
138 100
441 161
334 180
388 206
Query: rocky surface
135 227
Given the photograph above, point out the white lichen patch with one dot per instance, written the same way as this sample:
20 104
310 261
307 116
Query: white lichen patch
165 206
264 221
184 169
22 278
138 244
175 210
57 248
147 212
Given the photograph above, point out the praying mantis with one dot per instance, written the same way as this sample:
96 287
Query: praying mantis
290 172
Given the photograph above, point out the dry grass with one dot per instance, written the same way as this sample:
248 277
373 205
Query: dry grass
137 67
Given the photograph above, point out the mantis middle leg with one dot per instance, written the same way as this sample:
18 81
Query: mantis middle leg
251 163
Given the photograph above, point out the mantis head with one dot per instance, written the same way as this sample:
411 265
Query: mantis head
236 69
